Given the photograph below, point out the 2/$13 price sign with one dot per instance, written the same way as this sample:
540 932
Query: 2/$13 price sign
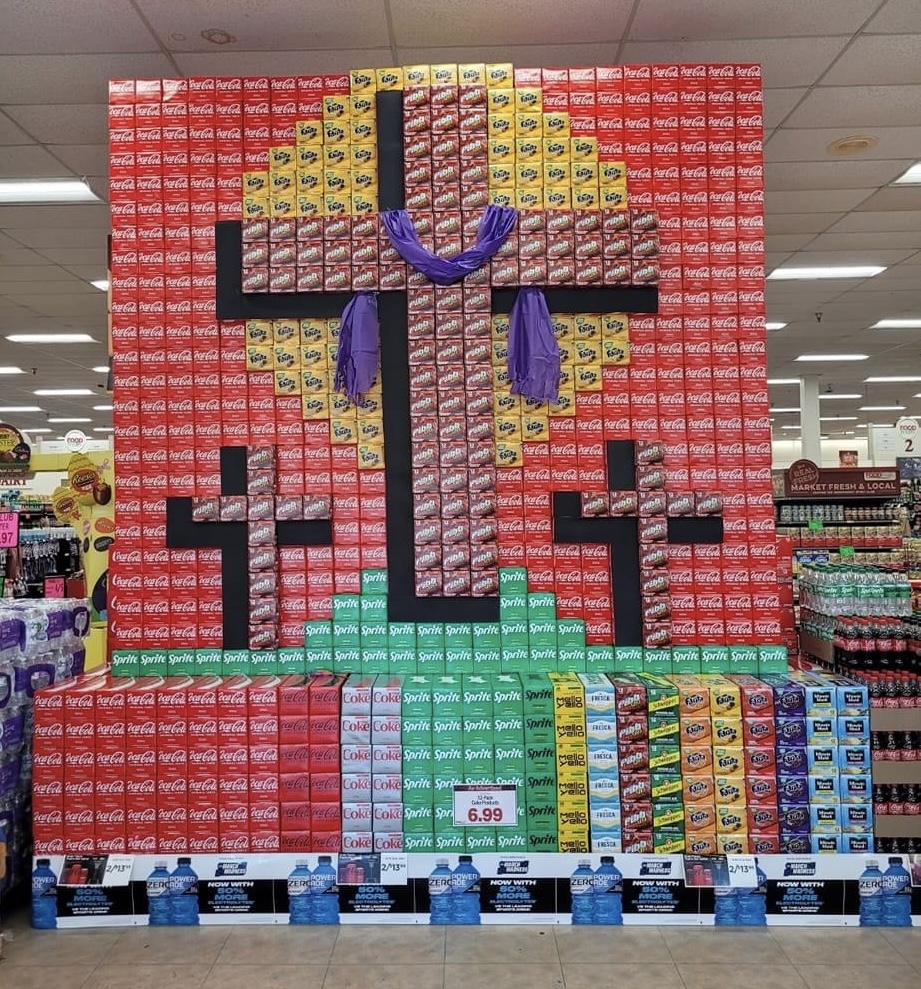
491 804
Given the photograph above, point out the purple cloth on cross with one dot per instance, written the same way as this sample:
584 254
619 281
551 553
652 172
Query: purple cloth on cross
533 354
358 354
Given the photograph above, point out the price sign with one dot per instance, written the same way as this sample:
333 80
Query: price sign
394 871
9 530
54 587
118 870
846 550
490 804
816 525
743 873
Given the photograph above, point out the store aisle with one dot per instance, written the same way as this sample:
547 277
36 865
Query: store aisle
404 957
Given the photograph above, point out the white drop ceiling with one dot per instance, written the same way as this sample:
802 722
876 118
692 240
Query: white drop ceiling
833 69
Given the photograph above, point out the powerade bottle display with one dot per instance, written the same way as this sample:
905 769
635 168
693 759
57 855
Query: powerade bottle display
183 894
582 893
440 893
896 895
465 892
726 913
324 892
752 903
870 890
44 896
299 901
158 896
607 892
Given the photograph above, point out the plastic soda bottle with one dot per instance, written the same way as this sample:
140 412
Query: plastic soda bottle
183 894
299 901
465 891
324 892
159 913
607 892
581 889
896 894
440 893
44 896
870 890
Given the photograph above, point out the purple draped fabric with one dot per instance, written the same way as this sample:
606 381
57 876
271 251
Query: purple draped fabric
495 225
533 354
359 347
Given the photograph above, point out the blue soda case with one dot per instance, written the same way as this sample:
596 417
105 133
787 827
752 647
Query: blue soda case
852 698
791 760
822 759
825 789
790 731
793 790
826 844
821 699
854 759
822 730
856 844
856 788
795 843
794 818
825 818
857 818
854 729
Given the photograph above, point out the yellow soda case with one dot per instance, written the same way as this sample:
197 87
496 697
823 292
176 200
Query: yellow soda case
500 100
730 790
335 132
281 158
370 456
363 130
362 106
314 356
556 174
313 331
255 183
343 431
528 99
502 175
531 124
502 197
314 381
417 75
370 427
500 74
508 428
615 350
308 132
501 125
285 331
444 74
529 198
508 455
311 205
588 377
565 405
362 156
364 203
528 150
283 205
528 174
314 407
612 196
556 148
258 332
471 74
735 843
255 206
730 819
556 124
728 761
583 148
287 356
389 78
260 358
309 181
585 197
337 204
335 108
557 197
362 80
337 180
287 383
364 179
310 156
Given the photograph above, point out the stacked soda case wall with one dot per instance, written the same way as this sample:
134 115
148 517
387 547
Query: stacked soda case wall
326 763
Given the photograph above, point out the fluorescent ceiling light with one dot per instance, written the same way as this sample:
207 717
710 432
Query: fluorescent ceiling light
838 418
827 397
861 425
52 338
102 369
783 381
827 271
102 408
103 429
911 177
833 357
46 191
897 378
41 429
896 324
774 326
20 408
791 427
882 408
790 409
102 284
69 419
63 391
11 370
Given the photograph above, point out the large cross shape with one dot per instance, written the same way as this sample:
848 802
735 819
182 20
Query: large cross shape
404 603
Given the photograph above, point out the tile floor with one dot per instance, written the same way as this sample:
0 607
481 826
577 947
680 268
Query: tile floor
400 957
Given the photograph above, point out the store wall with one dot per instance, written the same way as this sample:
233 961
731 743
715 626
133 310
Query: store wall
786 451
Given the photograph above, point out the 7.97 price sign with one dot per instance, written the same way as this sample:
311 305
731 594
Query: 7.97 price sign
9 530
491 804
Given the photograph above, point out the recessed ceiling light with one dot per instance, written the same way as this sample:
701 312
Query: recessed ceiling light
896 378
896 324
102 408
882 408
783 381
103 429
102 284
50 338
854 145
69 419
830 396
774 326
21 408
102 369
791 409
63 391
218 36
833 357
828 271
911 177
46 191
838 418
11 370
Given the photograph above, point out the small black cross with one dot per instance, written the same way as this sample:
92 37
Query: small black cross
191 524
621 534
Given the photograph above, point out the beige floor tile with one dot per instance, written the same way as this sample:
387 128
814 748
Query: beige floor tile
820 946
266 976
502 945
629 976
71 948
368 976
906 942
44 977
860 976
618 946
368 945
168 946
711 946
759 977
147 977
282 945
494 976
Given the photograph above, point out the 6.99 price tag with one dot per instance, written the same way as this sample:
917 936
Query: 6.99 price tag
490 804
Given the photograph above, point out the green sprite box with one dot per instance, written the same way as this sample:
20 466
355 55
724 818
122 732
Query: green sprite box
418 790
347 658
743 659
486 635
450 841
481 839
478 758
373 635
234 661
542 841
599 659
449 757
487 662
772 659
430 635
476 696
542 607
181 662
289 659
542 659
538 693
685 659
714 659
515 659
211 661
401 660
416 730
418 818
513 606
416 696
430 661
418 760
401 635
447 695
513 580
508 696
511 840
540 728
422 843
262 661
571 658
509 756
373 610
540 756
374 582
458 634
459 659
541 817
375 661
346 608
318 633
347 634
628 659
318 658
478 729
127 663
657 660
570 632
541 631
508 729
513 633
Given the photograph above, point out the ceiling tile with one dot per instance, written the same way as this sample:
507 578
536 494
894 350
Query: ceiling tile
513 22
77 255
814 255
778 103
731 19
17 257
56 237
63 123
59 305
10 133
271 25
281 62
36 28
598 53
798 223
789 62
897 17
17 290
875 222
42 217
36 79
858 106
795 144
32 273
907 197
825 200
785 243
832 174
849 241
84 159
29 161
880 60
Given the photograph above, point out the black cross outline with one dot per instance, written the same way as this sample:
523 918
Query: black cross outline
621 534
233 304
